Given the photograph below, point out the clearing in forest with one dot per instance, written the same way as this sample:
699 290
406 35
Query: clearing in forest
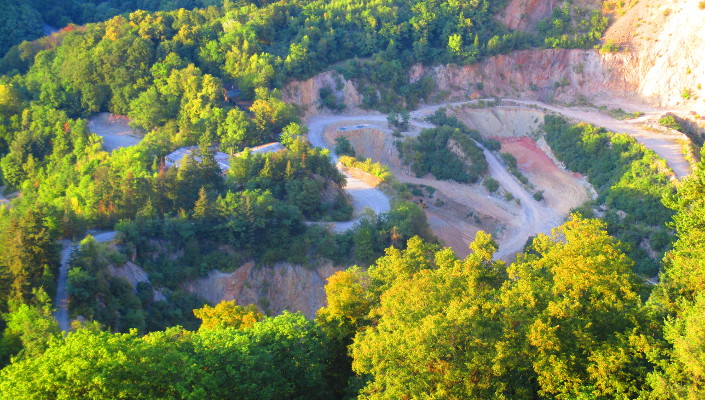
114 129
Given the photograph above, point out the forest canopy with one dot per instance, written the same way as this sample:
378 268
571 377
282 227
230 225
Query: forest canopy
565 320
569 318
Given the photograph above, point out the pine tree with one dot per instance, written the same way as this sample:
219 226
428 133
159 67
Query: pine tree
30 247
266 171
203 209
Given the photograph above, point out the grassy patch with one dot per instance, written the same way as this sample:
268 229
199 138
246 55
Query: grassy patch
610 47
374 168
618 113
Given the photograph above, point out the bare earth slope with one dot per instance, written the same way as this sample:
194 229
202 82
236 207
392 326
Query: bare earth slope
533 217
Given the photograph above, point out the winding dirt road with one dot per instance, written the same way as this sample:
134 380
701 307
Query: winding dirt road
535 216
62 297
667 145
362 195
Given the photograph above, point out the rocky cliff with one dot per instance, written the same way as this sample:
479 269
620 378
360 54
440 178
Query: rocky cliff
305 93
553 74
659 62
274 289
663 43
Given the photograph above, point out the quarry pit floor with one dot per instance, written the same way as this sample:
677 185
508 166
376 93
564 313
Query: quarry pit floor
457 211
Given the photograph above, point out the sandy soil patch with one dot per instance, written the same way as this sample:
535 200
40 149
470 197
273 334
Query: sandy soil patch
500 121
114 129
362 175
450 218
563 190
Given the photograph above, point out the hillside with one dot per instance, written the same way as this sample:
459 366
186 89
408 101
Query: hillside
462 199
30 19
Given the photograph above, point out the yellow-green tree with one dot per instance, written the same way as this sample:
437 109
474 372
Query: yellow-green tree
227 314
680 357
270 113
437 326
573 314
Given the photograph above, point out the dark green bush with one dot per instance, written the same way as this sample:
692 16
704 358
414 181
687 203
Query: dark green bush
330 100
628 178
491 184
343 147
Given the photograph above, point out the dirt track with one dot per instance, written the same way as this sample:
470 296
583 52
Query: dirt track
114 129
362 195
520 222
531 218
62 296
666 145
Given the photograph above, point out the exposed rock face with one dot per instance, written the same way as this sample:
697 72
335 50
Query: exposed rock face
274 289
306 93
523 15
553 74
503 122
133 274
661 63
666 43
531 74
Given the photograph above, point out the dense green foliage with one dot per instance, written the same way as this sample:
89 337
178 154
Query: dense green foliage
398 120
25 19
566 320
448 328
278 358
449 152
571 26
630 180
679 297
430 153
670 121
97 294
441 118
394 228
166 71
330 100
343 147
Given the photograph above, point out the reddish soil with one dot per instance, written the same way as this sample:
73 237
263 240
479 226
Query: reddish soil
529 157
563 190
